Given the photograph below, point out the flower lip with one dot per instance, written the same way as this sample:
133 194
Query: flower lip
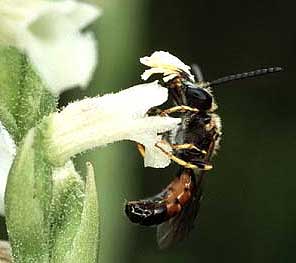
95 122
166 64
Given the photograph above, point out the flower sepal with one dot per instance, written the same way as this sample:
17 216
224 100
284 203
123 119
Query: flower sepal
24 99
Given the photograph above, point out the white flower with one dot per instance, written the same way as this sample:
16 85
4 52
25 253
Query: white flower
94 122
7 154
49 32
166 64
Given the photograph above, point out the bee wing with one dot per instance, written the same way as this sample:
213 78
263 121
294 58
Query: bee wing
178 227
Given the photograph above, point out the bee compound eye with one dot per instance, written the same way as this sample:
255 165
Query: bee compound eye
198 98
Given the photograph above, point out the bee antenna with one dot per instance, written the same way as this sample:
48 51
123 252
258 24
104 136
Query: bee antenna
197 72
244 75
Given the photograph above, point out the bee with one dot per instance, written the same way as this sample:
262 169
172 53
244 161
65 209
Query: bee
194 143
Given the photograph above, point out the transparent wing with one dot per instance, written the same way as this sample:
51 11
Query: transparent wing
178 227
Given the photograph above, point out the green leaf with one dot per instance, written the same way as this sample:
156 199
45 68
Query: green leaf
66 210
78 237
86 244
75 217
27 200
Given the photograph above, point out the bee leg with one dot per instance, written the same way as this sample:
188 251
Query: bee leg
141 149
177 147
154 111
187 146
181 108
200 165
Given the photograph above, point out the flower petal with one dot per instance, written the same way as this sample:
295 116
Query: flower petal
84 15
154 157
7 154
66 63
165 63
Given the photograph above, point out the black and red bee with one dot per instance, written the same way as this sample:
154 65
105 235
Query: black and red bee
194 143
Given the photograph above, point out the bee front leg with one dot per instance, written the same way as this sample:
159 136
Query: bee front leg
187 146
181 108
197 165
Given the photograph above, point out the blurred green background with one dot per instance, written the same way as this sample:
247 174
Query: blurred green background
248 212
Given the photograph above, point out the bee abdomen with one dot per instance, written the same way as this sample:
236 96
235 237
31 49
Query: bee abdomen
163 206
146 212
